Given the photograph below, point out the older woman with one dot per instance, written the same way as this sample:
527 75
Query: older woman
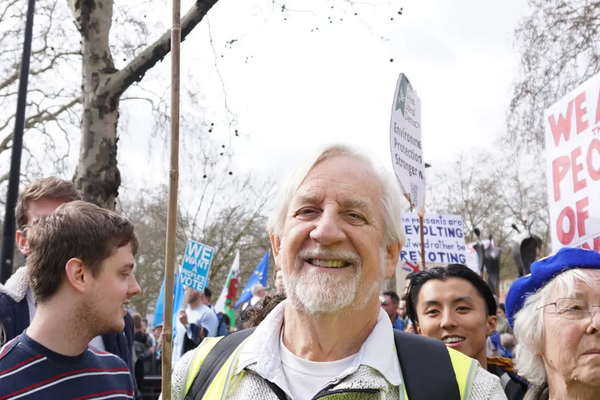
557 327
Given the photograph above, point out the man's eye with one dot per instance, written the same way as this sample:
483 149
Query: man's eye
431 312
305 211
463 308
356 217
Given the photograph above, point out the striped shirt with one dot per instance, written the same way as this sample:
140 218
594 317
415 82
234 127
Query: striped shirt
30 371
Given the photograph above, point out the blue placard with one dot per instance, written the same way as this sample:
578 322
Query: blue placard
196 262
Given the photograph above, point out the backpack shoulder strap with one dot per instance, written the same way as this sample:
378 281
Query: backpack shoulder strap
214 361
418 355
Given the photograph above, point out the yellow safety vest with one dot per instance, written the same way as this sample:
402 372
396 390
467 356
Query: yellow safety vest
464 369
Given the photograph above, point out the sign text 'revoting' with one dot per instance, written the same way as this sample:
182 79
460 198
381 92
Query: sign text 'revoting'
444 239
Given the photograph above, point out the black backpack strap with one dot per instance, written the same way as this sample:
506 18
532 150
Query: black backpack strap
214 361
420 356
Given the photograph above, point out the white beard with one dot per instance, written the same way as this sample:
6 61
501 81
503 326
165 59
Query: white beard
315 292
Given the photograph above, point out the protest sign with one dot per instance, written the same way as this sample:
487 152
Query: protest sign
196 262
405 142
444 239
573 167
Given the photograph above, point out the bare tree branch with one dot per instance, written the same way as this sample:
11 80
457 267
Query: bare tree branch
137 68
43 116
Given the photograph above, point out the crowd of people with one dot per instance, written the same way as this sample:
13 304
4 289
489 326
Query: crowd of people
329 331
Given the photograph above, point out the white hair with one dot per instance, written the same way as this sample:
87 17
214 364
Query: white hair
529 324
391 199
257 287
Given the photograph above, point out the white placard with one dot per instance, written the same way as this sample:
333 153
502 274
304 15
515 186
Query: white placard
444 239
573 167
405 142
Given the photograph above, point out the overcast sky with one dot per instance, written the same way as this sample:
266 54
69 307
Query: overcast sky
294 87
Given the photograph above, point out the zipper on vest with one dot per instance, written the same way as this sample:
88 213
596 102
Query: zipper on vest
325 393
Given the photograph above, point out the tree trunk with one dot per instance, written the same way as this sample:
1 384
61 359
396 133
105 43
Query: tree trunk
97 176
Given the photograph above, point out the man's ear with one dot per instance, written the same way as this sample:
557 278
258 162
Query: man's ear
76 274
417 328
276 242
391 258
491 324
22 242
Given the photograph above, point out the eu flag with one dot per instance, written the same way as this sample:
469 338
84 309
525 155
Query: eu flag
259 275
177 302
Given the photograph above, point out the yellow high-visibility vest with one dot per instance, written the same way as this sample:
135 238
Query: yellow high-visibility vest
464 370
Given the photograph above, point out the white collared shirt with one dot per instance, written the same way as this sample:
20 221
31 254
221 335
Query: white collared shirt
263 350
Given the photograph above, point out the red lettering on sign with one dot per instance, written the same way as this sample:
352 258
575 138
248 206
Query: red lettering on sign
560 168
563 127
596 245
576 168
565 237
594 173
582 215
580 112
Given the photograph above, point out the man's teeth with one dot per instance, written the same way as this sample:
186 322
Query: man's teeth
454 339
328 263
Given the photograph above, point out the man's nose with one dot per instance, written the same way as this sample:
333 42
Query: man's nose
448 321
134 287
328 230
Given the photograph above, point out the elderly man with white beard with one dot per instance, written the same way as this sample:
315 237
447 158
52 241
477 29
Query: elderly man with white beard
336 235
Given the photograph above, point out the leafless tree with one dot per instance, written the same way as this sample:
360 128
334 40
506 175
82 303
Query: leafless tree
559 43
112 47
223 212
52 105
491 192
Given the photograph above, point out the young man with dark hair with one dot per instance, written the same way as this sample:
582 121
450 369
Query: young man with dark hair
17 307
455 305
389 302
80 268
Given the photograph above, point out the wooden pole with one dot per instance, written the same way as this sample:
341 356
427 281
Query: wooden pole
167 337
421 213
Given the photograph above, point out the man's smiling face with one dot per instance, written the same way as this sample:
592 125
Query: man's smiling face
332 253
455 312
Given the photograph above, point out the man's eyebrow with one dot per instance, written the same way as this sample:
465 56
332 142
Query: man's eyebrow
431 303
128 266
356 203
348 203
462 298
307 199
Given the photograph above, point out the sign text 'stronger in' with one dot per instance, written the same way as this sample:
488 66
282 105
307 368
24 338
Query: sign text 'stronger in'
196 263
573 167
405 142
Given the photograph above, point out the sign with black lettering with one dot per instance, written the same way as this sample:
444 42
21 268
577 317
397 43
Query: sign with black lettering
444 239
405 142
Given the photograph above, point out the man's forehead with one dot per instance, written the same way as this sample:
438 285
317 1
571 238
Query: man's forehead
43 207
317 196
448 290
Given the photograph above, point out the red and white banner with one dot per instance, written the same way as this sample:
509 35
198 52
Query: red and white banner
573 167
